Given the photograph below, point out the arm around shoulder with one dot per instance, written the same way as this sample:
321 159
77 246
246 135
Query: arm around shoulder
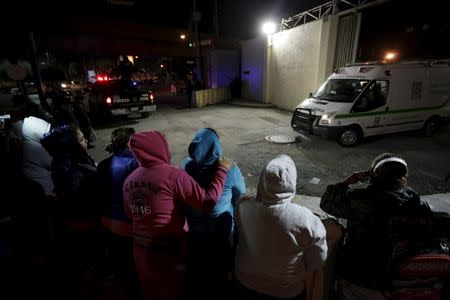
189 191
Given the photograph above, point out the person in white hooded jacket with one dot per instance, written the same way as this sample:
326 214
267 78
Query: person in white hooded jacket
279 242
36 160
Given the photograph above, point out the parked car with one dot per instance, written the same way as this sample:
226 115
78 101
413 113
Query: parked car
178 87
120 98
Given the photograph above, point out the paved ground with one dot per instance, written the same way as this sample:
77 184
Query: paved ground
243 131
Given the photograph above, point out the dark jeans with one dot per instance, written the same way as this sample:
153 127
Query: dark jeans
248 294
120 249
209 263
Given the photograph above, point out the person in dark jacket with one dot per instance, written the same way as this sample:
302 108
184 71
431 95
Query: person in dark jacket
210 233
63 112
83 120
76 210
73 172
112 173
386 221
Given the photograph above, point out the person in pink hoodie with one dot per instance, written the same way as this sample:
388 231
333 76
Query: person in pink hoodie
155 197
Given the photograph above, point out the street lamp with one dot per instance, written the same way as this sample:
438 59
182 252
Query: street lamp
182 36
269 27
389 56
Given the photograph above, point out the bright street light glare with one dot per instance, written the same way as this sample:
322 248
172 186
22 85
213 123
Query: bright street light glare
182 36
390 56
269 27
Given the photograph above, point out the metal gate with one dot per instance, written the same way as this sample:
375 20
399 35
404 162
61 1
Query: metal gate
347 40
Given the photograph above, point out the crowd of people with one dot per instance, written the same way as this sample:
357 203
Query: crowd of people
191 232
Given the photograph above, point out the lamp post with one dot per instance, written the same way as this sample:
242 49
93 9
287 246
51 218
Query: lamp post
196 16
389 56
268 28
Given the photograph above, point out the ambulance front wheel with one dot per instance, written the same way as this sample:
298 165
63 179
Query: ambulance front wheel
349 137
431 126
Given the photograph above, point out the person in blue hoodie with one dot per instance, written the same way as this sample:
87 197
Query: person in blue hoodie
112 173
210 253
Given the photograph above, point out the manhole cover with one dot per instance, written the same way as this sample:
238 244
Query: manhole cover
280 139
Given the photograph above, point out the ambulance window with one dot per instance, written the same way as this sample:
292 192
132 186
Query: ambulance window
341 90
373 97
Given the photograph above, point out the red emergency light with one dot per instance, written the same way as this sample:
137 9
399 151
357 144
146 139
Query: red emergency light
102 78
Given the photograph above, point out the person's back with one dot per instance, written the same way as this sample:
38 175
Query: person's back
63 112
204 152
36 160
279 241
385 221
112 173
73 172
210 233
155 197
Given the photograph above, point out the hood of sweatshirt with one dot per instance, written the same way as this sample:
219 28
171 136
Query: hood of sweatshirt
277 182
205 148
33 129
150 148
61 142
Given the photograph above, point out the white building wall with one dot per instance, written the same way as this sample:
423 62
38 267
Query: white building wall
224 67
254 64
328 37
299 60
293 64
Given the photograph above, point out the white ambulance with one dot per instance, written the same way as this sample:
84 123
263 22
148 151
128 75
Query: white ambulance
376 98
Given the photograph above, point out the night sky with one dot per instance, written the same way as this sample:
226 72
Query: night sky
416 29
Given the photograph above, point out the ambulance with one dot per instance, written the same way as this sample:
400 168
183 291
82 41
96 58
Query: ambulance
376 98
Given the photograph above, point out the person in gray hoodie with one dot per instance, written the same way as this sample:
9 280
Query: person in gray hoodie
279 242
36 160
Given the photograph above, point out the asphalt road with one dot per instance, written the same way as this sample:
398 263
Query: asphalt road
243 131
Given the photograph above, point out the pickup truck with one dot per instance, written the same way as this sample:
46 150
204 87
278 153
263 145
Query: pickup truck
120 98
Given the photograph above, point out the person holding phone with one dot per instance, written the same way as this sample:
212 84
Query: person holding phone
385 221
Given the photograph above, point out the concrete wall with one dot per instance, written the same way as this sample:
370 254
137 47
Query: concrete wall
299 60
224 67
328 43
211 96
254 63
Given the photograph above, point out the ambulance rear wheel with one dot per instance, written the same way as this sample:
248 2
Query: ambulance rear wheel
431 126
349 137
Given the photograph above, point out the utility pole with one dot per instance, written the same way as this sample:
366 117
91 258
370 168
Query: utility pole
196 16
216 18
36 73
